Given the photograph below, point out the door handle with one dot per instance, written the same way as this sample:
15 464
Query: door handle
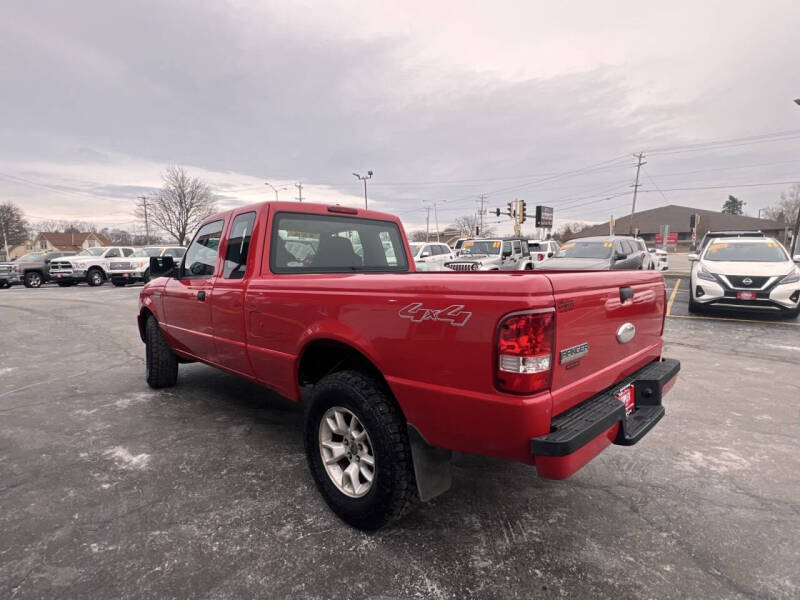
625 293
201 295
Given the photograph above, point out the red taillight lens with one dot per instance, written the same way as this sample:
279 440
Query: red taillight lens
524 353
541 256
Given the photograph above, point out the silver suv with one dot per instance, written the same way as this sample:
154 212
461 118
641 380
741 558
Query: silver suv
492 255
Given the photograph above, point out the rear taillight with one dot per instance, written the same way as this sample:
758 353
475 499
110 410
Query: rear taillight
541 256
525 352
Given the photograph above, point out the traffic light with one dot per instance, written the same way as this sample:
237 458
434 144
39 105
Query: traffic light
511 209
694 221
523 211
497 212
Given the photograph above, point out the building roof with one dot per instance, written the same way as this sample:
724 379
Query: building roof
677 217
72 241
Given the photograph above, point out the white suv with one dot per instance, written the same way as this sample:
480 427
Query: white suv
430 256
754 273
541 250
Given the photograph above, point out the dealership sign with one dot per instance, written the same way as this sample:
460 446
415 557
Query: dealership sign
544 216
672 239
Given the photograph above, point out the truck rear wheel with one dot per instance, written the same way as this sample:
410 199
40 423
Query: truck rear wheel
33 279
118 282
161 362
358 450
95 277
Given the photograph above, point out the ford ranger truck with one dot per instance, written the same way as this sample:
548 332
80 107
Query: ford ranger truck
322 304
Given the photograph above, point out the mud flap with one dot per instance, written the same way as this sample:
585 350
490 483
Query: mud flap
431 466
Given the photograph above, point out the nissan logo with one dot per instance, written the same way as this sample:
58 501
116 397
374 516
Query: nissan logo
747 281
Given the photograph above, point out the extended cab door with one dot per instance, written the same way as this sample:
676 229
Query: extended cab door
186 297
227 301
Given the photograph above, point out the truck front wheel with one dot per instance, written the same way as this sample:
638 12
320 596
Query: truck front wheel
161 362
33 279
358 450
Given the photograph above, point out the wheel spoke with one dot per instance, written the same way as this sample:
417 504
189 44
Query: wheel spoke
336 450
366 459
366 472
341 426
351 473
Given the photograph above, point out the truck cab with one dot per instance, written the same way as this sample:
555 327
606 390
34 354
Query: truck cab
91 265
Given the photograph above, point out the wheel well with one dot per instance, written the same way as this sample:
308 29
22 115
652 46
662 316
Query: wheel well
324 357
143 316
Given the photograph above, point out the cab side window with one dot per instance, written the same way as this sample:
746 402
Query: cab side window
506 247
201 257
517 247
238 246
127 251
113 253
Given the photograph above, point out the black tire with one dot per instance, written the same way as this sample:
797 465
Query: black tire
118 282
160 361
64 283
393 492
33 279
792 314
4 284
146 275
695 307
95 277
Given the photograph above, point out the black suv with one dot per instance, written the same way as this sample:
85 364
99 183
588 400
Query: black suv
32 270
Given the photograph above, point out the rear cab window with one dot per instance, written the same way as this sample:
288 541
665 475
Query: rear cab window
318 243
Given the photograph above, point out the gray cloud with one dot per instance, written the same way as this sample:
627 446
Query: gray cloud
222 88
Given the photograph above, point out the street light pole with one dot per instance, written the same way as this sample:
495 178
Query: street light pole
364 179
274 189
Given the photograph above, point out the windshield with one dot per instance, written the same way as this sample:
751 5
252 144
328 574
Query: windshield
578 249
415 248
481 247
739 252
141 253
33 256
91 252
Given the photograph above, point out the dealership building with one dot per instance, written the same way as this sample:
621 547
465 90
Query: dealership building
650 224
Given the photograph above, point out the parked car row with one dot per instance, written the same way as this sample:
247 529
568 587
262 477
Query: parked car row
94 266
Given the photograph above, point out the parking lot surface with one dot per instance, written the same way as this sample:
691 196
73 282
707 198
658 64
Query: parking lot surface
109 489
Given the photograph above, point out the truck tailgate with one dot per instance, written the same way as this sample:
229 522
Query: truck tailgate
593 324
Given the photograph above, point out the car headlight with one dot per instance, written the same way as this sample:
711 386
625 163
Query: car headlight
476 266
702 273
792 277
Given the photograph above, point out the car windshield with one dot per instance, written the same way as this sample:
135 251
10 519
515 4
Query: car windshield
744 252
143 252
415 248
31 257
91 252
481 247
578 249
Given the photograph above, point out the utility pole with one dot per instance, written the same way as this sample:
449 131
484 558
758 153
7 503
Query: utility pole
639 164
5 241
482 199
427 223
299 187
435 216
364 179
146 220
517 217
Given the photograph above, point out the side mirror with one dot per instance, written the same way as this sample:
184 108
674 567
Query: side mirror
620 256
693 256
549 254
162 266
506 253
796 258
425 255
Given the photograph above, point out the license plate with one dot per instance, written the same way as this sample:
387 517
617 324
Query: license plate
627 397
59 276
746 295
126 275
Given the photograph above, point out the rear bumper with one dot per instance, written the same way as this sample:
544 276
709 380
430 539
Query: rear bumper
580 433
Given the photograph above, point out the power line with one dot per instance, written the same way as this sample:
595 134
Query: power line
730 143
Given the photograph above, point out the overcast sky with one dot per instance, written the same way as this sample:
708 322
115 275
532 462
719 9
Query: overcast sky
442 100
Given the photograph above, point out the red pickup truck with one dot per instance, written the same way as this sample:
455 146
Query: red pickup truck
397 368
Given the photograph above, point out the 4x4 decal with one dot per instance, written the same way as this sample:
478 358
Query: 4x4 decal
453 314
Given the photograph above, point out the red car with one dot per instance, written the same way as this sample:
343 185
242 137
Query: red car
323 305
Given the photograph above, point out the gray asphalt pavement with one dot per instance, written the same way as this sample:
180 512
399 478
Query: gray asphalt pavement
109 489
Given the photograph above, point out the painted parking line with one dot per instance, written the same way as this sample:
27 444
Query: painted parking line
672 296
795 324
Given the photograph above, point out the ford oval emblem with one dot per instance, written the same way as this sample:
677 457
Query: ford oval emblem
626 332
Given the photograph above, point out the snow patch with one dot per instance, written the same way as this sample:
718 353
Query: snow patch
724 462
125 460
136 398
5 370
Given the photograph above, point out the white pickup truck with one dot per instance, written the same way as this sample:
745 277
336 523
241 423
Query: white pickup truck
90 265
136 267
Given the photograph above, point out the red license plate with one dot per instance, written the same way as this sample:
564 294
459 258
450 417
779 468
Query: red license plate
746 295
627 397
58 276
126 275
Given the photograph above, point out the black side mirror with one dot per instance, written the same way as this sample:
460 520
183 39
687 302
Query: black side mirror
162 266
620 256
506 253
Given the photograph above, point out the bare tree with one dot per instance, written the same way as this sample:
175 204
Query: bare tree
13 227
64 225
418 236
181 204
568 231
785 210
467 225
